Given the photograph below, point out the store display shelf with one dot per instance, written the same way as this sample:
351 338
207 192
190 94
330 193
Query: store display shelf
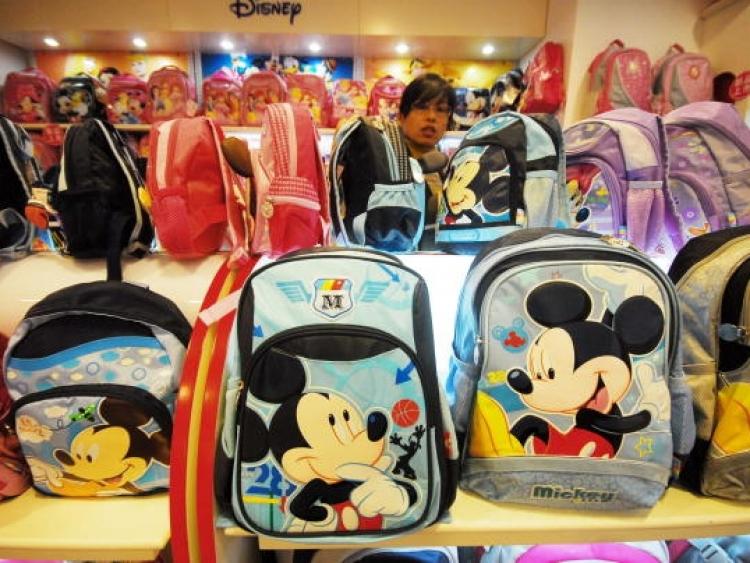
35 526
475 521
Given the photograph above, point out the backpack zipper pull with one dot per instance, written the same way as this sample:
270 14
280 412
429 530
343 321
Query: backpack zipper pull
267 208
733 333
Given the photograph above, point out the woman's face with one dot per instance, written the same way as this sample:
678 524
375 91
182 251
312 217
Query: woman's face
425 125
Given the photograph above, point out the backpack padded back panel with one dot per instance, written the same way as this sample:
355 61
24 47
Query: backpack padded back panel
93 370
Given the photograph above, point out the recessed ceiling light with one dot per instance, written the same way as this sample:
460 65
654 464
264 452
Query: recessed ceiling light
488 49
402 48
51 42
315 47
226 44
140 42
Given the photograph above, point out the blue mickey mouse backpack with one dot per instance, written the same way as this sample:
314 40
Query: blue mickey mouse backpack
565 379
335 427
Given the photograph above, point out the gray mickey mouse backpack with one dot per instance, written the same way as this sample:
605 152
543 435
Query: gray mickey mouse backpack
335 427
565 378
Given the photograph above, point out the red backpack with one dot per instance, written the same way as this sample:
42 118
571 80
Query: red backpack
385 98
544 81
127 97
28 96
194 193
349 99
310 90
621 78
289 183
171 94
15 477
222 92
259 90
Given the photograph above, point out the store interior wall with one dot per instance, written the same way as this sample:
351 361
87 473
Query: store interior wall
11 58
723 39
651 25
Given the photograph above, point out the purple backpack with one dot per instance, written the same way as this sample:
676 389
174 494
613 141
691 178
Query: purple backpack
709 175
616 177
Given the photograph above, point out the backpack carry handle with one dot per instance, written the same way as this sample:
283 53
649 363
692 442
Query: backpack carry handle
675 48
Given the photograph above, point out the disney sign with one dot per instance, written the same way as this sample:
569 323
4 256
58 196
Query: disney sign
256 7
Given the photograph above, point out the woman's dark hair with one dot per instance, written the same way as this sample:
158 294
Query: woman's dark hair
427 88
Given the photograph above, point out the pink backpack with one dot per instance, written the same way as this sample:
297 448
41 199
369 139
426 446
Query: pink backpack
349 99
621 78
544 81
127 98
291 191
171 94
222 92
386 97
194 193
310 90
259 90
15 477
28 96
681 78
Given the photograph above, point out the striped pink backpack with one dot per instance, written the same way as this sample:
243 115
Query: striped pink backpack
289 183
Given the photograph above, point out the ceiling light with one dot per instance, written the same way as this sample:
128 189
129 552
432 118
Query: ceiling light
402 48
140 42
488 49
51 42
315 47
226 44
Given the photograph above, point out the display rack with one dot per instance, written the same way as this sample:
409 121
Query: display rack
475 521
35 526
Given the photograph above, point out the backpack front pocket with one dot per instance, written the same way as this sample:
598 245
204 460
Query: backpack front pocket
395 217
336 434
95 440
290 215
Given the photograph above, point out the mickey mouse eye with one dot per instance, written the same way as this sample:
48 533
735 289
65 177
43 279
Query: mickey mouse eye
346 415
538 375
551 373
89 459
331 420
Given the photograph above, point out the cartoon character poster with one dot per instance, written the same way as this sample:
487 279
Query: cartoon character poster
58 65
472 74
576 369
244 64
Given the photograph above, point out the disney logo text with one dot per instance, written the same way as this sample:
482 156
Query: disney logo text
252 7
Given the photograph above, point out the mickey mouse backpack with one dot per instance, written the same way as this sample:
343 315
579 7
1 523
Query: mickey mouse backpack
566 381
93 371
711 274
507 174
335 428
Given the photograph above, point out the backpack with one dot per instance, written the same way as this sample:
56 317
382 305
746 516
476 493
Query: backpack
616 178
544 92
222 92
621 552
93 371
472 104
620 77
79 97
354 441
28 96
310 90
289 183
194 193
709 172
349 100
128 98
385 98
680 78
171 94
98 197
711 274
372 555
377 189
506 174
258 91
19 174
542 315
505 94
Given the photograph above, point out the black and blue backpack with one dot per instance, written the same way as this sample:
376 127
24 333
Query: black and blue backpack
335 428
377 189
93 371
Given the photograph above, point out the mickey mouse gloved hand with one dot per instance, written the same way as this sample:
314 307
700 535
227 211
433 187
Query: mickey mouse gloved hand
328 524
378 493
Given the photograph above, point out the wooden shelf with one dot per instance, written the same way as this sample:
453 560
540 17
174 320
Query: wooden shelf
35 526
475 521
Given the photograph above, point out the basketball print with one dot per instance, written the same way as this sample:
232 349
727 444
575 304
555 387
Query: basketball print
405 412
